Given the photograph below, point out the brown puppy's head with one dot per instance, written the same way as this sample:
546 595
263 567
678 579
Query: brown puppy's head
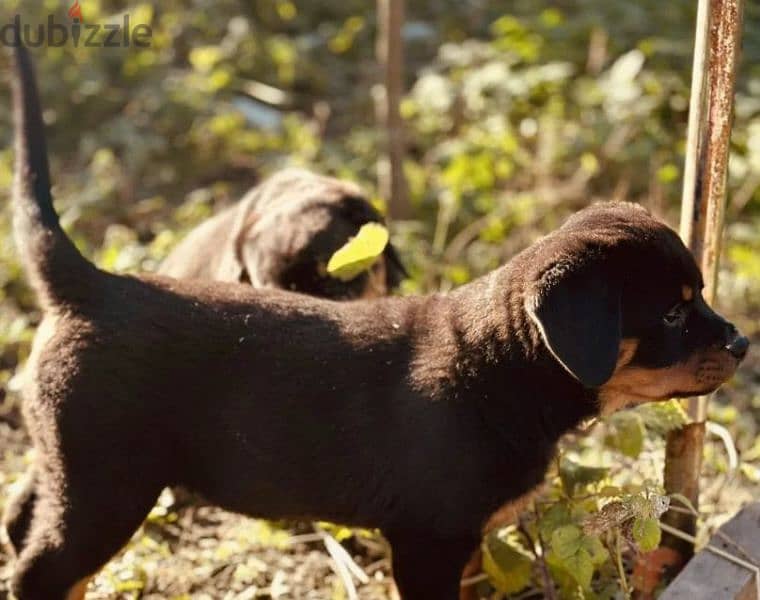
617 299
299 222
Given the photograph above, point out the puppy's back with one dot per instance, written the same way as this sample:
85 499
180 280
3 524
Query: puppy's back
205 253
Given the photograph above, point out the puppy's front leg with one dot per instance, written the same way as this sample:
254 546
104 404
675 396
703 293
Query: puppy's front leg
429 568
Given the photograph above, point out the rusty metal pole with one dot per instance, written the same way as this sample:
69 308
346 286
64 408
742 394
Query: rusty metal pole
716 58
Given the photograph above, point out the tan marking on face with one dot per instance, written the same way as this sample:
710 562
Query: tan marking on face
376 281
687 292
78 590
630 385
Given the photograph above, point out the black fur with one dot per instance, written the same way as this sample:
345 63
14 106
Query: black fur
581 322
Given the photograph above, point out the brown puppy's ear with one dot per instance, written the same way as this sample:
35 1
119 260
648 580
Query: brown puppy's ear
579 316
257 257
395 272
230 267
232 263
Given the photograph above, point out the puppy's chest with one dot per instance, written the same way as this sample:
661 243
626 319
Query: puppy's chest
509 512
510 490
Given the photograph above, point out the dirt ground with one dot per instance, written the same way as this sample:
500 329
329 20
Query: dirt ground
203 553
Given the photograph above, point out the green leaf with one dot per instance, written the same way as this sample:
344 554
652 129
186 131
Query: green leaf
566 541
575 475
507 563
359 253
627 434
567 585
580 566
646 533
596 550
662 417
576 553
554 518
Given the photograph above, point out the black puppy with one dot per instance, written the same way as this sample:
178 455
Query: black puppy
420 416
282 235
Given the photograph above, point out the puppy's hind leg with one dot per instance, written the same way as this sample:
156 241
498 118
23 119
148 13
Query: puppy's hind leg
18 513
82 517
427 568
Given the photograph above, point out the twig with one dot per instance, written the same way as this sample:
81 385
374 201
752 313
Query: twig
390 57
342 563
267 94
474 580
306 538
383 563
620 567
339 553
348 583
728 443
678 509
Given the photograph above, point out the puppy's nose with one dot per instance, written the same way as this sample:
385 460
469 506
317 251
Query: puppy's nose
738 346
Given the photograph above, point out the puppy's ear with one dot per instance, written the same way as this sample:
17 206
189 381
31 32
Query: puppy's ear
241 259
253 267
259 255
230 266
579 316
395 272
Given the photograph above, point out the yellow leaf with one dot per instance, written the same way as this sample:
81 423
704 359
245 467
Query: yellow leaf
359 253
507 563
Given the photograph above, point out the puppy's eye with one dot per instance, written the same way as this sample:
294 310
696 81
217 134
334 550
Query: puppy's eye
675 316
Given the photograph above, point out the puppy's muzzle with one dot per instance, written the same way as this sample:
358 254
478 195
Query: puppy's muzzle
737 344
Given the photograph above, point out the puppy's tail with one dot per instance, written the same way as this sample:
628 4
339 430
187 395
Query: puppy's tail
58 272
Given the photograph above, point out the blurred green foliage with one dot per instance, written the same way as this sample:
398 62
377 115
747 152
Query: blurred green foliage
517 113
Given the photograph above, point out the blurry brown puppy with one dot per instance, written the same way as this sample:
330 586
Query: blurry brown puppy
282 235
